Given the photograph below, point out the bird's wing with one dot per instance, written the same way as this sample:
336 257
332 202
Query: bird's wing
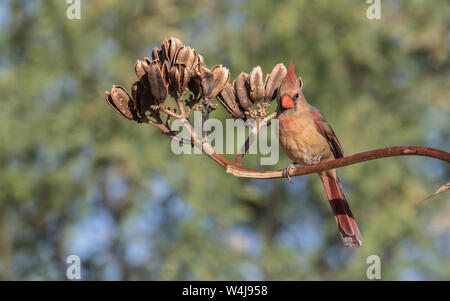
326 131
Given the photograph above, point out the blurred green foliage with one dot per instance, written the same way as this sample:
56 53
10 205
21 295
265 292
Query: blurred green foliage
75 178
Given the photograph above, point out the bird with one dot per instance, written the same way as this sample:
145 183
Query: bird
307 138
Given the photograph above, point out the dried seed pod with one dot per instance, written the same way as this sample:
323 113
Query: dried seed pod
227 97
185 60
273 81
221 76
136 96
174 44
187 56
142 97
200 60
255 81
121 102
195 85
206 81
165 51
158 83
174 81
265 85
300 82
156 54
141 68
147 98
241 88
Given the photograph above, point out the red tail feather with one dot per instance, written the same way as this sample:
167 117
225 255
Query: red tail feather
344 218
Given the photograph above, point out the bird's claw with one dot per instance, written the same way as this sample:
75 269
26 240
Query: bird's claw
287 172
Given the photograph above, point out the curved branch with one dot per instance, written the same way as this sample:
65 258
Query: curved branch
244 172
394 151
237 170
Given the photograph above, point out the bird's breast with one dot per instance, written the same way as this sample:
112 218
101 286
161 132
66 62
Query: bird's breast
300 139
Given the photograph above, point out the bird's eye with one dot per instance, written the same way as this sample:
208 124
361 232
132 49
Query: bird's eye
295 96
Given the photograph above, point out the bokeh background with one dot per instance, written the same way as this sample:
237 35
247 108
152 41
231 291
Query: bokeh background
76 178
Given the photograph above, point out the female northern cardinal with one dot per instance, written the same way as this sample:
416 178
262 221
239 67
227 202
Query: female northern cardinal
307 138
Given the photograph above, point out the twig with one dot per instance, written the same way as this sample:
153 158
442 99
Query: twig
205 117
181 105
170 112
251 138
164 130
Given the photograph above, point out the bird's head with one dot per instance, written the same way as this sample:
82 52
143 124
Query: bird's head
290 94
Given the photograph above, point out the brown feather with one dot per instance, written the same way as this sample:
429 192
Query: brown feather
324 128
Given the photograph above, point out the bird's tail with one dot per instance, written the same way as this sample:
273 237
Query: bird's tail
344 218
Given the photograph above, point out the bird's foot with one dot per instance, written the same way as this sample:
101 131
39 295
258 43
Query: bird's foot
287 171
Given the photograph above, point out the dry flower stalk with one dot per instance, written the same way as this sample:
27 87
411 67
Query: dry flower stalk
176 69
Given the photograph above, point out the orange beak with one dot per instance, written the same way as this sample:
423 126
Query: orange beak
286 102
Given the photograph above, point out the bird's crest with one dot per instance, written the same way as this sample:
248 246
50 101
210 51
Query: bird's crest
291 79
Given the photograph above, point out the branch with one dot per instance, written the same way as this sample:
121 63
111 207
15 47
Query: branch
394 151
238 170
244 172
164 129
170 112
251 138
